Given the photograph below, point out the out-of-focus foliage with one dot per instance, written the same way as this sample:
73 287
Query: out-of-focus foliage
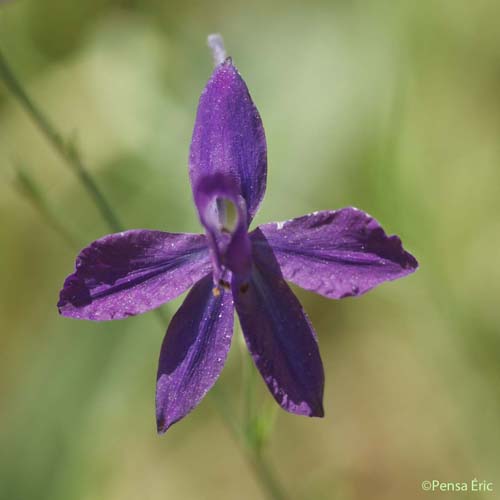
390 106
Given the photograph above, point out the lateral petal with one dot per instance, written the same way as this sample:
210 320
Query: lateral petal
129 273
334 253
193 352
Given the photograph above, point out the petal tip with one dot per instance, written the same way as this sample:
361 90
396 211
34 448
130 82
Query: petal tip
316 410
411 262
312 409
165 417
162 425
319 412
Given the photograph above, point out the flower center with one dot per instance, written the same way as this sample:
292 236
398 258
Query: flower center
223 213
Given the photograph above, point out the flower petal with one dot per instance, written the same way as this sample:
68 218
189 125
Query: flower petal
193 352
281 340
334 253
129 273
230 248
228 137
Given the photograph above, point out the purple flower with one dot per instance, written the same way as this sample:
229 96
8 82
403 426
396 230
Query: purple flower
334 253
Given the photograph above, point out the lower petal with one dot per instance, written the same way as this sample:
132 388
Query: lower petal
281 340
194 351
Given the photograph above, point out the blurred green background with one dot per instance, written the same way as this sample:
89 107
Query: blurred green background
393 107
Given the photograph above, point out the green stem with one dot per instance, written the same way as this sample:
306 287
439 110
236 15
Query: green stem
29 189
261 467
267 477
66 150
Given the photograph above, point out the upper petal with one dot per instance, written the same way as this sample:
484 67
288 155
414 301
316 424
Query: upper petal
193 352
132 272
230 247
334 253
281 340
228 137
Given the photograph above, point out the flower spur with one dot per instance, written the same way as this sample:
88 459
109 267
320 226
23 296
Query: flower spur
334 253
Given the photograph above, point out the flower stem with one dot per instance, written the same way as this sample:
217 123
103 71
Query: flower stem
262 468
29 189
267 477
65 149
68 152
